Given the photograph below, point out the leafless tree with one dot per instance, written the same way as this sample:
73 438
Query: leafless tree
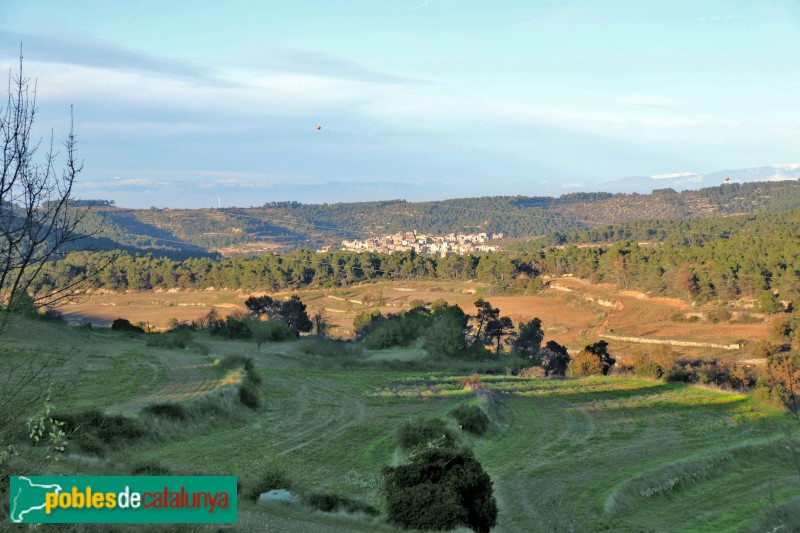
37 226
37 223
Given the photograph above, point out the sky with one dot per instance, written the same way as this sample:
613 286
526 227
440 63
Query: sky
199 104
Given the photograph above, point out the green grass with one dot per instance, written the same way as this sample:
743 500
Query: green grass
395 354
601 453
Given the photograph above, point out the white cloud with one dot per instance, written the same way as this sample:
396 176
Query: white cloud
672 175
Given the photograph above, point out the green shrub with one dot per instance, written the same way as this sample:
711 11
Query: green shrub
398 330
250 395
173 411
91 444
440 489
262 331
122 324
767 302
418 433
232 361
679 374
53 315
649 370
175 339
531 372
331 503
271 479
149 468
718 315
471 418
233 326
330 349
747 318
95 432
680 317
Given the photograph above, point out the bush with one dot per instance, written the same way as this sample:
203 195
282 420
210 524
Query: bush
680 317
173 411
718 315
234 326
412 435
331 503
365 322
531 372
272 479
472 419
473 382
585 364
95 431
649 370
679 375
53 315
330 348
398 330
175 339
149 468
444 338
764 349
233 361
250 395
440 489
122 324
768 302
262 331
747 318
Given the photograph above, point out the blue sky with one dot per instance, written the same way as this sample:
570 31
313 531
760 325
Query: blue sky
180 103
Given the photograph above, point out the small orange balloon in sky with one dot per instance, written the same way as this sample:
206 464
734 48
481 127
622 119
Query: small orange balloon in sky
727 178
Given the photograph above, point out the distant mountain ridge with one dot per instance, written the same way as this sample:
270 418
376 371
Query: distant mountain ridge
693 181
284 226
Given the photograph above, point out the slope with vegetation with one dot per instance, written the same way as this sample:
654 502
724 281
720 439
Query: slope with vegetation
289 225
324 420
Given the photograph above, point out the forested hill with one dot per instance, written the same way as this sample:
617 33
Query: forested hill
284 226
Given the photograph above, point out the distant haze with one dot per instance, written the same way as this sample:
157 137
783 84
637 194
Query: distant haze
178 194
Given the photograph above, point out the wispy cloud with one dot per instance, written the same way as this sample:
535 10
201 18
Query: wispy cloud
87 52
319 64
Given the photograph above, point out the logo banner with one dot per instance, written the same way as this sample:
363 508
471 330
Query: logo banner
123 499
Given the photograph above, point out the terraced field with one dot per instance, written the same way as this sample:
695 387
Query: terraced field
589 454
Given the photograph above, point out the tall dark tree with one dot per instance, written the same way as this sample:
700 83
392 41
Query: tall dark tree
529 340
293 313
554 359
321 322
261 305
600 350
483 316
496 329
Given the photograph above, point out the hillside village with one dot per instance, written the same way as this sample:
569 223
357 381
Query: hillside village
441 245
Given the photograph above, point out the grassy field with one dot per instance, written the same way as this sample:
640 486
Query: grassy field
590 454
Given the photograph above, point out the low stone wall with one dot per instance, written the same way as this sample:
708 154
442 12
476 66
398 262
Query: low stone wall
689 344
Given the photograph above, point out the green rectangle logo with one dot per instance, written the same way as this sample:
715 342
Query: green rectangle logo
123 499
